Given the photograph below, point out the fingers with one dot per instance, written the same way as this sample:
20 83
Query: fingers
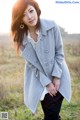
51 89
56 84
57 87
53 92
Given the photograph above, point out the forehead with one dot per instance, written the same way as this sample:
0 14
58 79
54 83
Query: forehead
29 7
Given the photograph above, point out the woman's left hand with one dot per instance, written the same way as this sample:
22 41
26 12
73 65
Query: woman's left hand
56 82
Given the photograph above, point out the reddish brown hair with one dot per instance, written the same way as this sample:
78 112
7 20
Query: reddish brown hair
17 15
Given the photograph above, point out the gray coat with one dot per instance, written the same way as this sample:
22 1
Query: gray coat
44 63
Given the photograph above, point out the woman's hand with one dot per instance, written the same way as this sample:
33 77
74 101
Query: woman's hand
51 89
56 83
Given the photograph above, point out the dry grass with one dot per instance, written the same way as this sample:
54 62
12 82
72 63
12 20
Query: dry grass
72 55
72 47
11 77
11 83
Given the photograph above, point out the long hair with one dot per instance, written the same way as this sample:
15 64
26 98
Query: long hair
18 9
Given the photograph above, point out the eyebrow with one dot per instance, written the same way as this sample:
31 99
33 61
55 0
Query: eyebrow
28 10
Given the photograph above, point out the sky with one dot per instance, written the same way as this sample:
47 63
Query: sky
64 12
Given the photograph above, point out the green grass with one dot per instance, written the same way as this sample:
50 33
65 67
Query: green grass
11 87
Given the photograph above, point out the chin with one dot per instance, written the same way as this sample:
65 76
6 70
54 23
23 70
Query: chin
33 24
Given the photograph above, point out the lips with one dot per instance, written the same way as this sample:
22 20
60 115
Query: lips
31 21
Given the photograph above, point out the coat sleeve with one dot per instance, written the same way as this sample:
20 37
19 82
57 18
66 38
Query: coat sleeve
44 80
59 54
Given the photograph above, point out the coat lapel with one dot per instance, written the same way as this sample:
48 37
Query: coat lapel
30 55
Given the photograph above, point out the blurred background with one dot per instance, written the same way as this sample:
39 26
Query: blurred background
12 66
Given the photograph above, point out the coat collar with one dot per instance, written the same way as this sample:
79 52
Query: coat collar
46 25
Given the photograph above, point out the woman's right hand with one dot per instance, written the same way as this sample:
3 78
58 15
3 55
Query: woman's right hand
51 89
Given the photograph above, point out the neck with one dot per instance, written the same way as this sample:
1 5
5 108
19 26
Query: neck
32 29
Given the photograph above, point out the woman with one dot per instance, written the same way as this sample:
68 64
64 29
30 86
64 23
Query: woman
46 77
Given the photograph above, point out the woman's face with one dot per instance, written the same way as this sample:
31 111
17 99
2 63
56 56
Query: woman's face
30 16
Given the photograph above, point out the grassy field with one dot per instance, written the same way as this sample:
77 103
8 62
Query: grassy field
11 84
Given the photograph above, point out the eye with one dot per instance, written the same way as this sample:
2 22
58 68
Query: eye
31 11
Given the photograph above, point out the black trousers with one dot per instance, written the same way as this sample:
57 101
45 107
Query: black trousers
51 106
